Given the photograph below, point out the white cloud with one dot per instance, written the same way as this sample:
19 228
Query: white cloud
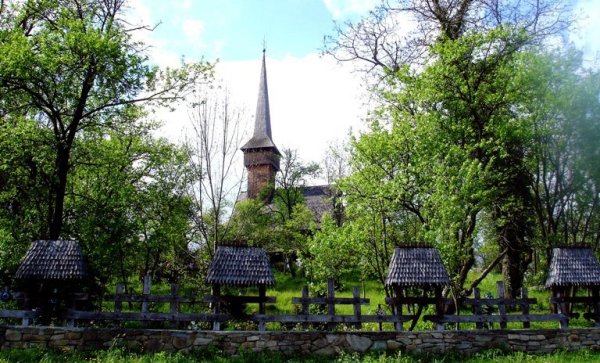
192 29
314 101
586 35
343 8
186 4
139 14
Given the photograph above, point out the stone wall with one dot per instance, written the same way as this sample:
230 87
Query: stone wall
466 342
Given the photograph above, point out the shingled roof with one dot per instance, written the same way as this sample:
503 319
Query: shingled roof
417 266
573 266
240 266
53 260
318 199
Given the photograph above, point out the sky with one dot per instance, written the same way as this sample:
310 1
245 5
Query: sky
314 100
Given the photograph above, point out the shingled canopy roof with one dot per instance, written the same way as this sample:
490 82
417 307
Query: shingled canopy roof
573 266
417 267
53 260
240 266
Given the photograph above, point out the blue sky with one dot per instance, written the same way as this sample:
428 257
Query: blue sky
314 100
234 29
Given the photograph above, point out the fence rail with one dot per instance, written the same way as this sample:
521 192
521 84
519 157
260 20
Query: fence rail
500 303
486 310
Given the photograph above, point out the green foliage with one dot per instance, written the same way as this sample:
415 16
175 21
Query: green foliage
128 204
71 68
77 161
258 225
333 251
117 355
456 144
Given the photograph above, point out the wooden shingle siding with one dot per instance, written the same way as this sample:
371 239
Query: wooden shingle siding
240 266
417 267
576 266
53 260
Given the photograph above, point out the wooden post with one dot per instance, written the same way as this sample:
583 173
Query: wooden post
398 307
564 322
216 306
145 294
174 303
477 306
439 307
262 296
501 304
330 304
595 308
380 312
261 305
357 314
304 307
525 306
119 302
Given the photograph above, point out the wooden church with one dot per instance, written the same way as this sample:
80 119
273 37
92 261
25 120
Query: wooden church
261 159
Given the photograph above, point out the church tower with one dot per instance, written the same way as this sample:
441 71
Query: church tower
261 157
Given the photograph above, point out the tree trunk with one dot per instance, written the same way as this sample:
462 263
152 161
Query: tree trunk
60 187
514 266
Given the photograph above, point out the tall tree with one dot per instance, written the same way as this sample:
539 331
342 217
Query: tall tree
72 66
565 111
449 80
213 147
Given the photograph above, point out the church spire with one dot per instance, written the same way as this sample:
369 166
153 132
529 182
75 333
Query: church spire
261 157
262 137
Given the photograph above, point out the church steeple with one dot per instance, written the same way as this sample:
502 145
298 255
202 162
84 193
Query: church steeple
262 136
261 157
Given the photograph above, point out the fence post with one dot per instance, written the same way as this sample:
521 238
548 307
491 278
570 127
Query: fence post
145 293
439 307
174 303
501 304
398 308
262 292
560 307
330 304
217 306
477 306
525 306
596 306
304 310
356 296
118 302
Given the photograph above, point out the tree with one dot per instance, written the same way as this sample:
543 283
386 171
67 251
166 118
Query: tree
449 79
333 251
213 147
290 181
128 207
73 66
399 33
382 196
564 108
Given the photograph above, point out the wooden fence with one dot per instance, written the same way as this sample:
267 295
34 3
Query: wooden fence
499 304
325 316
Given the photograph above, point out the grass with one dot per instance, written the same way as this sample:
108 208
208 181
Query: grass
288 287
117 355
